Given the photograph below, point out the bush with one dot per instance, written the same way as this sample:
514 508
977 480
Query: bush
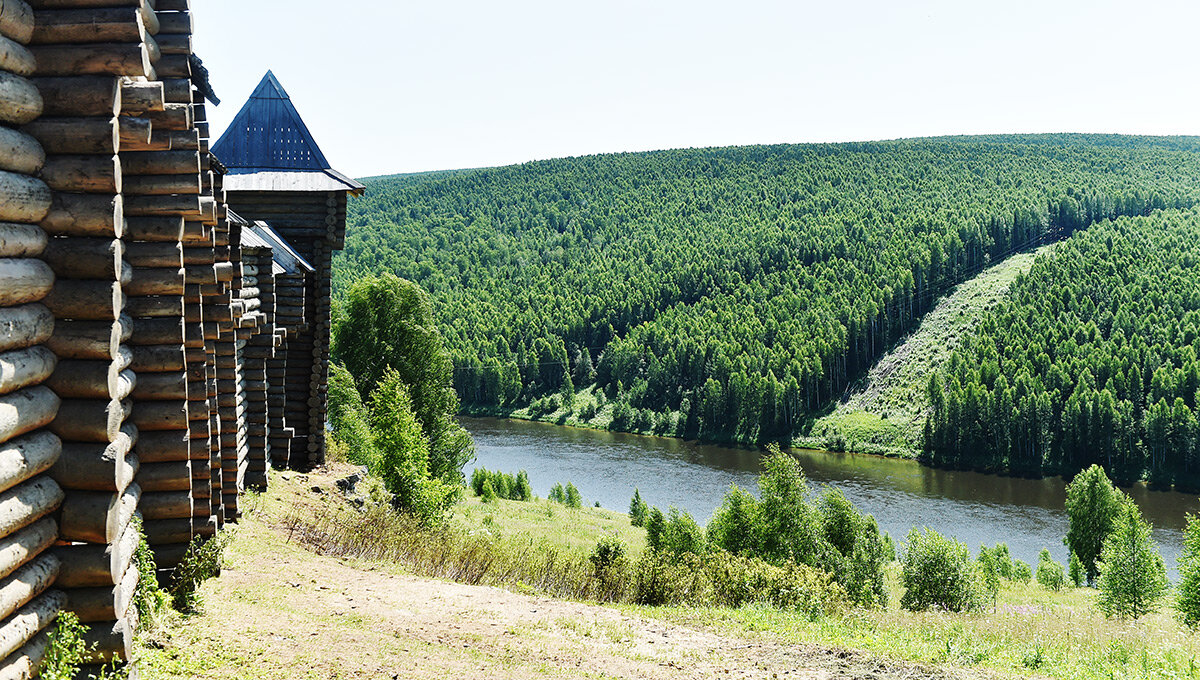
610 565
489 493
1093 504
1132 578
638 509
665 579
558 494
997 560
939 572
1022 572
523 491
503 484
148 598
1050 573
572 497
202 561
1187 604
65 649
1075 571
681 534
859 552
796 587
655 525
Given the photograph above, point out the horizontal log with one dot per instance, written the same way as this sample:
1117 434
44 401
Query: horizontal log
79 173
90 339
85 258
89 566
167 504
76 379
170 385
76 135
160 331
93 25
79 95
97 466
97 516
174 22
27 582
172 117
15 58
155 307
161 163
20 101
174 66
22 198
173 206
137 132
99 215
104 603
173 476
154 281
153 416
25 457
24 367
174 44
115 59
16 20
90 420
29 621
86 300
167 229
21 547
157 358
24 280
25 326
25 411
166 446
161 185
138 97
178 90
28 502
168 531
20 152
21 240
26 661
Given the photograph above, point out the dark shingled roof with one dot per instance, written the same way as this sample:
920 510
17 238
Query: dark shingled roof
268 138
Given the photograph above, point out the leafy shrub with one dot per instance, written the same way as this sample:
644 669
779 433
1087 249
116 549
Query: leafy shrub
202 561
1187 604
65 649
558 494
489 493
859 553
523 491
504 485
638 509
681 534
939 572
739 580
148 598
1133 579
733 525
997 560
610 564
665 579
588 411
1093 504
573 499
656 524
1050 573
1075 571
1022 572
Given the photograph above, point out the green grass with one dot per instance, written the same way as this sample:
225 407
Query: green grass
543 520
885 412
1031 632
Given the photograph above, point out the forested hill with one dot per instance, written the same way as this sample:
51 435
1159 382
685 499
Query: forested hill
729 293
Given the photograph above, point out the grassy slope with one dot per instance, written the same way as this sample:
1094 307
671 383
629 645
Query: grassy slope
280 611
886 411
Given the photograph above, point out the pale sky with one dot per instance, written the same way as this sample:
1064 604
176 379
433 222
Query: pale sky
389 87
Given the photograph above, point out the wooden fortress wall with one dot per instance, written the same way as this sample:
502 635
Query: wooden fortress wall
142 377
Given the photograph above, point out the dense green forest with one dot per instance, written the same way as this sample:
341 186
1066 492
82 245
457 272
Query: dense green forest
1091 359
730 293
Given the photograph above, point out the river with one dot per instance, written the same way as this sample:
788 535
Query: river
976 508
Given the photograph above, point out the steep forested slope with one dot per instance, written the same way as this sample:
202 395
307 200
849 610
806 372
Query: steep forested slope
730 293
1091 359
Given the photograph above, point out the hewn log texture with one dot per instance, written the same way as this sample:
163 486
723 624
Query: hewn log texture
74 379
26 503
24 457
27 583
97 466
20 152
21 240
161 185
20 101
83 173
23 198
86 300
167 446
25 326
140 96
98 517
19 548
79 96
160 415
174 476
90 420
89 566
149 281
85 258
26 661
29 621
79 135
23 281
25 411
85 215
104 603
167 504
16 20
24 367
109 642
116 59
90 339
97 25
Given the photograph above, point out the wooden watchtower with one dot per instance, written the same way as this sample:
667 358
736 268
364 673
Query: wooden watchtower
277 174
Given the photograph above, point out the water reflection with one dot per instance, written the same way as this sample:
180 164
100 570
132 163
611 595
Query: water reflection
973 507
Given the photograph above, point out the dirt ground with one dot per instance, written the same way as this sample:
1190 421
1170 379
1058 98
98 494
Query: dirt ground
279 611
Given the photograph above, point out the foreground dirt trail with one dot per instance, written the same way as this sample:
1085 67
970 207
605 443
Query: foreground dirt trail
279 611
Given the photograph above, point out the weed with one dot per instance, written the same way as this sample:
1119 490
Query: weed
65 649
201 562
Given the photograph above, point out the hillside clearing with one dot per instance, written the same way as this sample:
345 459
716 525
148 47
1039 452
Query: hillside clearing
885 411
279 611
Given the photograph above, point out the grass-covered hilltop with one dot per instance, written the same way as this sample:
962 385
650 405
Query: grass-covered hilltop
738 294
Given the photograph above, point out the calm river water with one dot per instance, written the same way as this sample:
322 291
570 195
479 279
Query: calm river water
1028 515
